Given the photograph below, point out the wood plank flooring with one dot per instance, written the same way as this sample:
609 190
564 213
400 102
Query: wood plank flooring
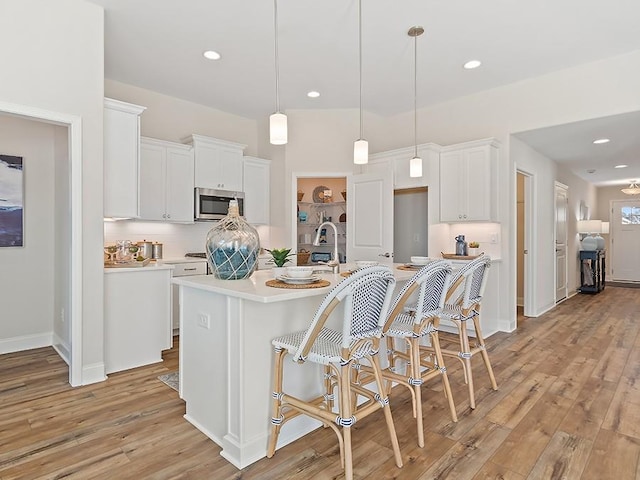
567 407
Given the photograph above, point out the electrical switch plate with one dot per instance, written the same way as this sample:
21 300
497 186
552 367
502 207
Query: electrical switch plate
204 321
494 238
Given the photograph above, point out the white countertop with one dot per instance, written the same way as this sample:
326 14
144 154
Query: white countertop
150 266
255 289
175 260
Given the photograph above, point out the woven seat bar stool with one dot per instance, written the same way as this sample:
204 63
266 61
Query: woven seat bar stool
366 296
411 320
463 304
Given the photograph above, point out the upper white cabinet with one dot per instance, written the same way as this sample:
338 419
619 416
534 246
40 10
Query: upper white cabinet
121 154
468 182
218 163
398 161
166 181
256 190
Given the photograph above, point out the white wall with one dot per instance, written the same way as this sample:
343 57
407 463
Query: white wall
173 119
27 280
52 58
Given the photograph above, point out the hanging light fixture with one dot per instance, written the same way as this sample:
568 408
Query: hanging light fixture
633 189
278 120
415 164
360 146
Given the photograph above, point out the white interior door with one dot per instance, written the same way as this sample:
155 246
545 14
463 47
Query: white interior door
625 238
370 217
561 241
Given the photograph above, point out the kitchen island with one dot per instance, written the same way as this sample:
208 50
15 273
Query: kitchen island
226 327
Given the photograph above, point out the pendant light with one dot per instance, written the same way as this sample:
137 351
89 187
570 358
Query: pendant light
415 164
360 146
278 120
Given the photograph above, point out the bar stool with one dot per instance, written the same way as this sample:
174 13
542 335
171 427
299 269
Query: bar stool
366 295
463 304
412 321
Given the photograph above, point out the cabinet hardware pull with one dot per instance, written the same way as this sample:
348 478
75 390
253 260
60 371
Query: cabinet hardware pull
190 269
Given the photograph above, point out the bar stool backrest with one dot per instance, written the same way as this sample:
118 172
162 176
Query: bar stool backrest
366 294
468 283
433 282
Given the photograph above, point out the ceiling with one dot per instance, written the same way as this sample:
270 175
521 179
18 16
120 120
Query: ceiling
158 45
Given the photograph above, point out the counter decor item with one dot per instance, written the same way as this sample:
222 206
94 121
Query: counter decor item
280 257
474 248
318 194
461 246
303 256
232 246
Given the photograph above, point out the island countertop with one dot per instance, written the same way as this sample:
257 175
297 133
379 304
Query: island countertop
255 289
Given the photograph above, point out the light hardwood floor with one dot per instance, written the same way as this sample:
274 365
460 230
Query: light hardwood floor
568 407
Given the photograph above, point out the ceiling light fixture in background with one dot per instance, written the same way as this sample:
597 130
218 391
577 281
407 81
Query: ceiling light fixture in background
415 164
632 189
471 64
601 141
278 120
621 166
211 55
313 94
360 146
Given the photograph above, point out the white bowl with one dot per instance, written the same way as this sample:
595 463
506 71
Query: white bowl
420 260
299 272
365 263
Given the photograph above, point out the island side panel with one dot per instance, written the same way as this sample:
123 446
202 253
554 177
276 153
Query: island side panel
203 361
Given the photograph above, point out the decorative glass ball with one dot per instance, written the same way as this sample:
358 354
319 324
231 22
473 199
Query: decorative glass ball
232 246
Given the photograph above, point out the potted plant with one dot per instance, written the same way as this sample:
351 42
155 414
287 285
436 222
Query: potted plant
474 248
280 257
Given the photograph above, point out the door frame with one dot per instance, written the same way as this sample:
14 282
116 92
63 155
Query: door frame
530 232
559 185
74 128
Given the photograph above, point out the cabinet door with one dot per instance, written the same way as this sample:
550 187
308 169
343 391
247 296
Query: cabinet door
179 185
256 190
452 187
477 178
152 182
121 152
230 169
207 165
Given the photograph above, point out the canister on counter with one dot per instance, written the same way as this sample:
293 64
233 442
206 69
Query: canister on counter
157 251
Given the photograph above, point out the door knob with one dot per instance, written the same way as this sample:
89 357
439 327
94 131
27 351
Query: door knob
385 254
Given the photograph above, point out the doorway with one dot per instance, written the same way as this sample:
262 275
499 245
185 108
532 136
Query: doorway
72 283
410 223
561 260
525 247
625 238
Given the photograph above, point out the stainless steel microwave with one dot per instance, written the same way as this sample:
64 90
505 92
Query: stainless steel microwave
214 204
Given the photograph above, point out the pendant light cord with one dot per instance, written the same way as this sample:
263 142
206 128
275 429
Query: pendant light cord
415 95
360 58
275 29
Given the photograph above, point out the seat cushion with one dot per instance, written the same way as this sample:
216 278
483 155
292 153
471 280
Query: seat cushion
402 327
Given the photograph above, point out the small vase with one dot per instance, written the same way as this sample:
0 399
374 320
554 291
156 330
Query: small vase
474 251
232 246
278 271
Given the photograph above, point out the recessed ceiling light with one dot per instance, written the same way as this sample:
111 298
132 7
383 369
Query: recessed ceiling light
313 94
591 170
471 64
600 141
211 55
621 166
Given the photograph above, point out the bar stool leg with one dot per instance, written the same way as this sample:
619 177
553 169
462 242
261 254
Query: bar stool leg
279 355
483 351
416 383
465 355
435 342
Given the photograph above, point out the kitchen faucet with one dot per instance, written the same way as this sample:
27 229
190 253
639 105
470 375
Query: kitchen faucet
335 262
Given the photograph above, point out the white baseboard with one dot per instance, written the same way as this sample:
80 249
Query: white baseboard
62 348
93 373
26 342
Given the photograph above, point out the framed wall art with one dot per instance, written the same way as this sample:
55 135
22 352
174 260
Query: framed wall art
11 201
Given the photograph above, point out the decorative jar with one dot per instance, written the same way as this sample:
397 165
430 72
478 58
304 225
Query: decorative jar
232 246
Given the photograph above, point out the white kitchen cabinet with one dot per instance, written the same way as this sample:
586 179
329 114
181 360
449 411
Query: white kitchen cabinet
121 158
137 316
183 268
256 179
166 181
468 182
218 163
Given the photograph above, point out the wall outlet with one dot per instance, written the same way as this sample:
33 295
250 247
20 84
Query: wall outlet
493 238
204 321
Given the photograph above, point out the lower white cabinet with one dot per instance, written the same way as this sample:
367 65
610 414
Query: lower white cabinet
166 181
256 190
137 316
183 268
